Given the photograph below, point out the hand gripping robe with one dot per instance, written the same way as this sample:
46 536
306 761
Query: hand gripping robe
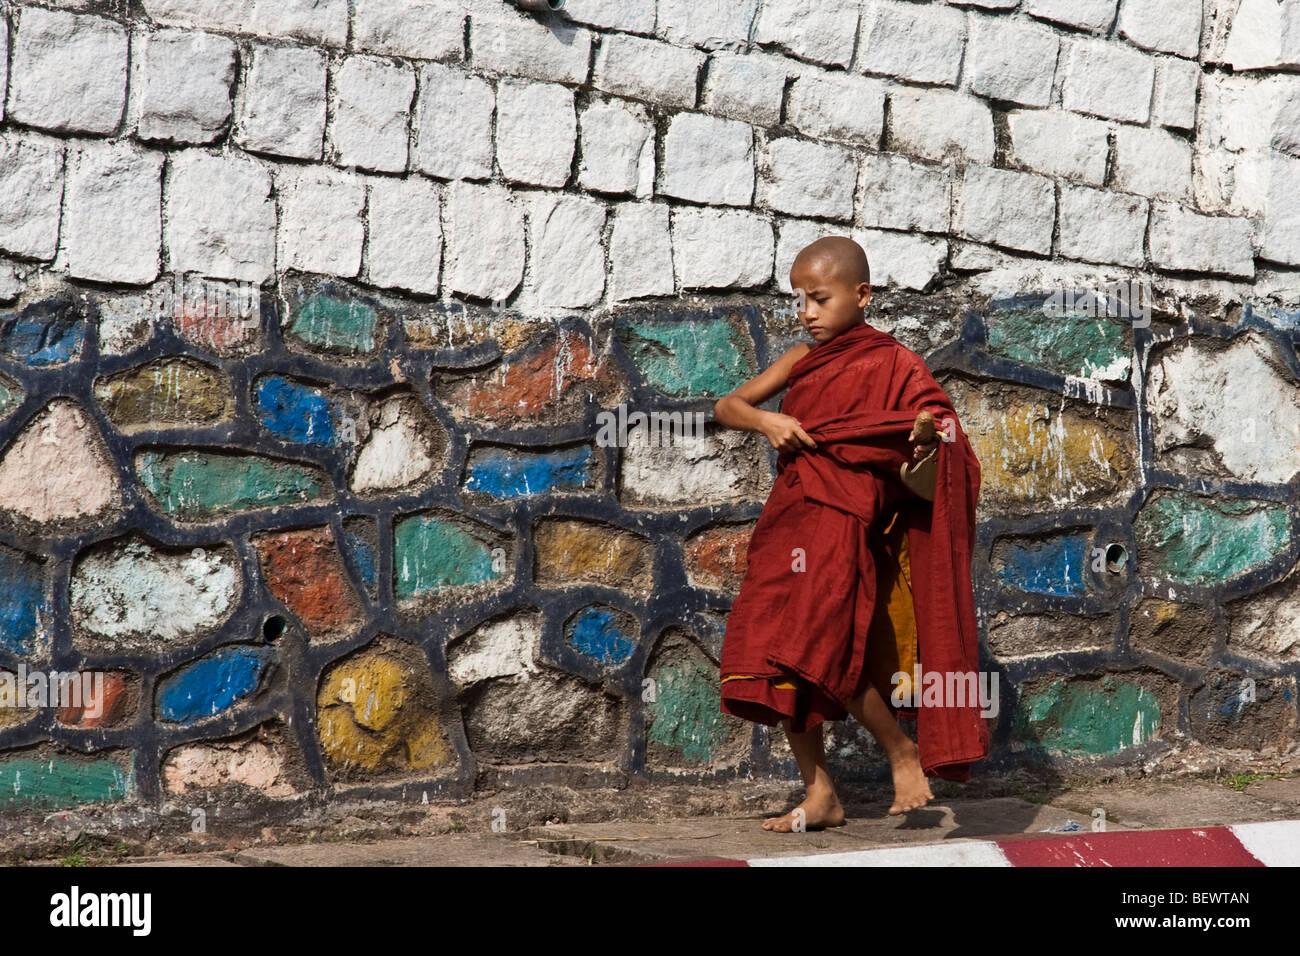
823 607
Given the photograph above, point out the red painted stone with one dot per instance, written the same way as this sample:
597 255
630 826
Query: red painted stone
717 558
1211 846
304 571
112 709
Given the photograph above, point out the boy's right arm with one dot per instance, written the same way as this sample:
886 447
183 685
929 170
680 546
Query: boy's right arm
737 410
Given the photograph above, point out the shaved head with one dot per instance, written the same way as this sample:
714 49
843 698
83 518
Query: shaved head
840 256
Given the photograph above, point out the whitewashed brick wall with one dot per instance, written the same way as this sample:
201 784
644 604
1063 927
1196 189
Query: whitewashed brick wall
624 149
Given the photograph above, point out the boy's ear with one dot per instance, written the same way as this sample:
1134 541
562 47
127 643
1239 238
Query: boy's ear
864 293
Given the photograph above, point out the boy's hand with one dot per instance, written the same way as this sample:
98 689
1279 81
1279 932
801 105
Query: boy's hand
784 433
923 437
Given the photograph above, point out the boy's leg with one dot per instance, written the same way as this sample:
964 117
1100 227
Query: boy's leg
821 807
911 788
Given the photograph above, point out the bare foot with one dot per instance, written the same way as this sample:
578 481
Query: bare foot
911 788
818 810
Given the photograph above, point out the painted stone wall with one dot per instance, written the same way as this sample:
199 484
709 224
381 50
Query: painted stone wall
329 330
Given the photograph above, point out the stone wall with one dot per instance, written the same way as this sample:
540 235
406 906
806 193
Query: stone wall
326 324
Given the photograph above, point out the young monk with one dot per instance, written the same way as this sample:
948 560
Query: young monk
860 561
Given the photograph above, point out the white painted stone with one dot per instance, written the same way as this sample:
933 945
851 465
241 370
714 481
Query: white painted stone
453 138
792 235
536 129
1184 240
313 21
985 4
1059 143
397 452
920 44
748 87
649 70
687 474
1152 163
1241 113
419 29
1235 398
504 648
1267 625
518 45
1098 225
484 235
1170 26
1265 35
618 148
220 217
126 322
808 179
709 160
321 229
941 124
1013 60
113 226
4 55
1094 15
1005 208
1108 80
405 239
837 106
1174 101
822 31
68 72
631 16
280 107
180 85
1279 228
134 590
896 193
712 26
371 125
902 259
31 182
721 248
566 257
58 468
640 252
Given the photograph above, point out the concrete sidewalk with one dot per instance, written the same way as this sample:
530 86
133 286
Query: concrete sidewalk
971 824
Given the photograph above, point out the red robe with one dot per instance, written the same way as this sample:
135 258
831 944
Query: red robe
857 395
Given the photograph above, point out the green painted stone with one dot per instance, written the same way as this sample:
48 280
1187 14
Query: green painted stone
195 485
11 396
690 358
687 714
59 782
1086 718
173 392
325 322
1066 342
434 553
1198 541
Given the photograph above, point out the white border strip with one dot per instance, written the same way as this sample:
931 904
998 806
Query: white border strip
1276 843
964 853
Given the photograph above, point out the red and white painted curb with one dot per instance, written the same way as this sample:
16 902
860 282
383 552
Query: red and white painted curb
1244 844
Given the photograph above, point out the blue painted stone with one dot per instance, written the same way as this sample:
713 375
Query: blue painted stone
511 474
1288 320
1056 567
364 556
296 412
596 633
43 333
212 685
22 602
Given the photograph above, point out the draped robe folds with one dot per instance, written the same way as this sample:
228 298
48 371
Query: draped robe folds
857 396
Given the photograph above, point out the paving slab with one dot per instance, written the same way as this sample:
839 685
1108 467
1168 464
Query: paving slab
744 838
451 849
1167 804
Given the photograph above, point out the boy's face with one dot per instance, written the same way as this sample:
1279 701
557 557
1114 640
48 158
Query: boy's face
831 304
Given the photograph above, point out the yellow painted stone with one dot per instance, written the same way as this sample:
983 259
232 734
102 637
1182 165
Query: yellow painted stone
1040 451
426 746
575 552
